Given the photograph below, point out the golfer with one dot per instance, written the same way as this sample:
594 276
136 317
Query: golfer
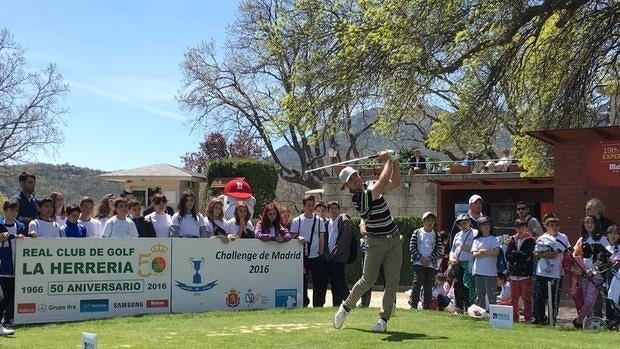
383 239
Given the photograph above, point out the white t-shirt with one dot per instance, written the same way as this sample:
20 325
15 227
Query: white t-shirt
555 271
211 229
303 226
44 229
233 228
463 238
61 220
93 227
487 265
102 221
332 227
188 226
161 223
120 229
426 244
588 263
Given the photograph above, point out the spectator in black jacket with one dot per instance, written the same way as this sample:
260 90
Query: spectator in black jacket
145 227
520 257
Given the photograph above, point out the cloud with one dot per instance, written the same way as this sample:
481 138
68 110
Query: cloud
127 100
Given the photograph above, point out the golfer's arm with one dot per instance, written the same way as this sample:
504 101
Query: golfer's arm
389 179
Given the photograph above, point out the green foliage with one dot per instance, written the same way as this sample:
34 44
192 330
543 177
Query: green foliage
406 227
262 177
72 181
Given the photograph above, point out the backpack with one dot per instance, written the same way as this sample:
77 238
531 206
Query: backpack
353 246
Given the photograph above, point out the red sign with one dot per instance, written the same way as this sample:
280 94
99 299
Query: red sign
157 303
26 308
603 164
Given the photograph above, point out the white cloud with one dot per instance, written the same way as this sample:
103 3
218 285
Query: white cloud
126 100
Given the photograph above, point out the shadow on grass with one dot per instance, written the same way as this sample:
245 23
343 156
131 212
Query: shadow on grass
396 336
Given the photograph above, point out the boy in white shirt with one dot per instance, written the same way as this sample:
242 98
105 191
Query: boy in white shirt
551 272
119 226
92 225
461 259
485 249
425 247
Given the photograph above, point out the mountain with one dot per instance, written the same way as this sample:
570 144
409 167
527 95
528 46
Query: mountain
72 181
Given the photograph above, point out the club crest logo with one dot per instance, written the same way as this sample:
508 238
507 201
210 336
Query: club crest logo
153 262
232 298
196 286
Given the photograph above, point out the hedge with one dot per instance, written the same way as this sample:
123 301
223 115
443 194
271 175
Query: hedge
261 176
406 227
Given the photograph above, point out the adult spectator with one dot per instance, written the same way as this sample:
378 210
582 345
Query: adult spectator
595 207
501 165
384 244
473 214
339 235
28 208
533 225
417 164
469 159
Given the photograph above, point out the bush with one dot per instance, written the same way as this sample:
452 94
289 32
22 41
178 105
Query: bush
406 227
262 177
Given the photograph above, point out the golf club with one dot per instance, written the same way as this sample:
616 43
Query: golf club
307 173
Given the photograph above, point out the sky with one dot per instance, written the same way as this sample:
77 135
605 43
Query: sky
121 60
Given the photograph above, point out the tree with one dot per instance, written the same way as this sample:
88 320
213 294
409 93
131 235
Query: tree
497 66
244 146
213 147
279 81
30 114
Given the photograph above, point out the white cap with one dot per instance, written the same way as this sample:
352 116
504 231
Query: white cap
426 214
475 198
346 174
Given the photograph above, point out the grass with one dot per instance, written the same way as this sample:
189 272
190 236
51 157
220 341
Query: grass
302 328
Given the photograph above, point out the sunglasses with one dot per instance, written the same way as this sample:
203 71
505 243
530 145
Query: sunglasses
521 208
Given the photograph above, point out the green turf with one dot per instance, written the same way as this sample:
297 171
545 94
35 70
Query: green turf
302 328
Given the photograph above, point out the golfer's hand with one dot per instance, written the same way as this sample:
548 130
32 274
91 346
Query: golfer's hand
383 156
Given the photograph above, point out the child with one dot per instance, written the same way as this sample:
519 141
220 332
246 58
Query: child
520 257
159 217
320 209
425 247
92 225
485 249
240 226
144 226
60 213
268 228
216 227
590 282
187 223
440 299
119 226
613 235
45 226
461 259
549 272
71 228
10 229
504 297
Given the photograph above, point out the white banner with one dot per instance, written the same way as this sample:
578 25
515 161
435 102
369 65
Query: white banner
243 274
76 279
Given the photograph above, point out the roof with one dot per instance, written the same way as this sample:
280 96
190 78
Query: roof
577 134
157 171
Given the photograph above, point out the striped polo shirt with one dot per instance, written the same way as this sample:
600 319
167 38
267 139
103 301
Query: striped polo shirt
376 214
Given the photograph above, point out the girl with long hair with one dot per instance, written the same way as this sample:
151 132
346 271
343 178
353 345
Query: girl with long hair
187 222
269 227
59 208
240 225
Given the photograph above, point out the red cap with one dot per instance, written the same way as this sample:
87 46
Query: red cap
238 188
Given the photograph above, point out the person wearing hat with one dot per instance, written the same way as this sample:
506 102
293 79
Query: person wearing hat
461 261
485 249
425 247
473 214
384 244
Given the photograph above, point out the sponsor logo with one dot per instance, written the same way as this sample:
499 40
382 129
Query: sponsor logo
253 299
286 298
157 303
26 308
232 298
497 316
153 262
197 285
94 305
126 305
55 307
42 308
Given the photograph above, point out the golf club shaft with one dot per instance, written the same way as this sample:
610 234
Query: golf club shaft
347 162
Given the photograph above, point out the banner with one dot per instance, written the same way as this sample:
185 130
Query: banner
76 279
603 163
243 274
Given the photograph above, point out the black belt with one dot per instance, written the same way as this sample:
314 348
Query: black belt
383 236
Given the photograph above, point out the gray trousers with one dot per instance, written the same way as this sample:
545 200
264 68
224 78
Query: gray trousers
388 252
485 286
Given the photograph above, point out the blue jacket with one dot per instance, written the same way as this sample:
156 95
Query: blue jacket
73 230
28 207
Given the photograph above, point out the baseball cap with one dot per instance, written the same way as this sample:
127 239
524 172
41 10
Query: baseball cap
426 214
238 188
475 198
461 217
346 173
